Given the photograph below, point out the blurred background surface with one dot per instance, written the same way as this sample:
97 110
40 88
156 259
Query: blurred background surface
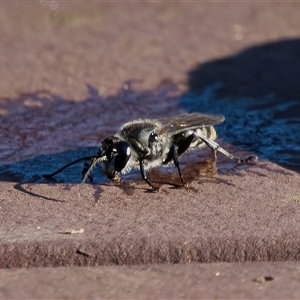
72 73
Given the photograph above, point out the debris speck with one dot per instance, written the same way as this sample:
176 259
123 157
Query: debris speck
262 279
73 231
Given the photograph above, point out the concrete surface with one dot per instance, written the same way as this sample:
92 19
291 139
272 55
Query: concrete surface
63 68
194 281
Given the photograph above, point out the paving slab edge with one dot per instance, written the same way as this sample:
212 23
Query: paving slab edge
146 251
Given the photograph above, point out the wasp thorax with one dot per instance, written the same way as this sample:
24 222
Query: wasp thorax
153 137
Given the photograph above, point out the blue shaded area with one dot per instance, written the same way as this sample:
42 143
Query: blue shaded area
31 170
268 126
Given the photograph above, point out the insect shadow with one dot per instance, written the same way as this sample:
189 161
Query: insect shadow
29 172
260 102
201 170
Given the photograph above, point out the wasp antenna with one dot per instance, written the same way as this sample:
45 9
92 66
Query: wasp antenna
68 165
93 163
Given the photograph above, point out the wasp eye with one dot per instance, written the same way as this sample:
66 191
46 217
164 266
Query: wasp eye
153 137
122 157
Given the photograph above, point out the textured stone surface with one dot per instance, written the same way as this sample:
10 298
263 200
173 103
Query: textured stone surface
62 74
248 216
194 281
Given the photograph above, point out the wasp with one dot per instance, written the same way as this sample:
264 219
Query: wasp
143 144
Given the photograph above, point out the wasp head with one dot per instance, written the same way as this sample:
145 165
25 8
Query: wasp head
117 153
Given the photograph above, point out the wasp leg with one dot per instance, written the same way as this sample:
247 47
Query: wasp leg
144 176
214 155
176 151
185 144
216 147
86 167
179 149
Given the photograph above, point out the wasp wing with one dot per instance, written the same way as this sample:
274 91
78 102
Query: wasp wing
176 124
